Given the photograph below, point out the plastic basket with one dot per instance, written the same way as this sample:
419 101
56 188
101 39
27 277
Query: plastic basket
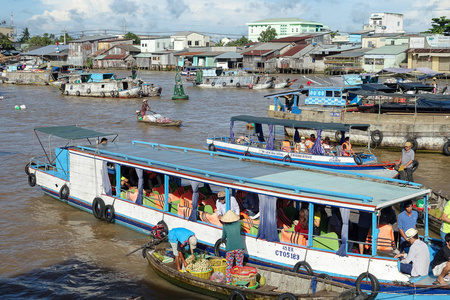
218 264
202 275
244 274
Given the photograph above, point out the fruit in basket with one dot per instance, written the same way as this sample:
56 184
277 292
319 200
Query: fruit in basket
199 265
262 281
217 277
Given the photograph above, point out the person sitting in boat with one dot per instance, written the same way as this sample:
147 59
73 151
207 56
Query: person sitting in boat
326 145
234 247
221 207
104 141
310 142
417 261
346 148
251 203
242 140
301 146
441 263
182 239
301 225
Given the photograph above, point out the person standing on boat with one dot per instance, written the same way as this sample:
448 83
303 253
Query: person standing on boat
406 160
182 239
221 206
435 87
417 261
234 246
441 263
407 219
300 147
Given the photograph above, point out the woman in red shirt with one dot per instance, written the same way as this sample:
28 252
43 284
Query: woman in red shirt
301 226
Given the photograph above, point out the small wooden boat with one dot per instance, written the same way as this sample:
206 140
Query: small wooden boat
148 116
280 284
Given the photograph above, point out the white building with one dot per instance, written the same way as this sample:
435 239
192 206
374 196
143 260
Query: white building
385 23
189 39
284 27
155 44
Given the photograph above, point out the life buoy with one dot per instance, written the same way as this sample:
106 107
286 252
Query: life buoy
415 165
358 159
32 179
236 295
111 93
108 214
98 207
287 158
213 83
224 83
238 84
250 86
414 143
373 282
102 94
64 192
446 148
287 296
376 136
247 153
211 147
66 93
303 264
88 91
77 93
217 246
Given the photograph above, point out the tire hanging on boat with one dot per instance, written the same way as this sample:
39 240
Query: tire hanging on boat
414 143
27 166
213 83
287 296
32 179
376 137
247 153
373 282
66 93
287 158
102 94
98 207
88 91
64 192
108 214
111 93
446 148
415 165
305 265
238 84
224 83
324 276
237 295
217 246
211 147
338 135
358 159
77 93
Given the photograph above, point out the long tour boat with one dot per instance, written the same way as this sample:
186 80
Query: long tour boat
179 185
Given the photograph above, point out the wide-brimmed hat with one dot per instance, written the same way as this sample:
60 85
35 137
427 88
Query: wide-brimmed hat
408 144
221 194
193 242
411 233
230 217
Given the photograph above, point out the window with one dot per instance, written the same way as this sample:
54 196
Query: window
157 45
329 94
189 43
197 43
398 23
296 29
392 42
337 93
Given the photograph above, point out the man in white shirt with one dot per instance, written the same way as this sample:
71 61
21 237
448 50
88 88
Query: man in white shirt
221 206
417 261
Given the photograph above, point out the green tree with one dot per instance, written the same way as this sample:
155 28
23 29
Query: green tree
44 40
5 43
61 39
440 26
268 35
130 35
334 33
25 36
239 42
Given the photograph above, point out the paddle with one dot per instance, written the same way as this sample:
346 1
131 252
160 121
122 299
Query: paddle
141 247
150 244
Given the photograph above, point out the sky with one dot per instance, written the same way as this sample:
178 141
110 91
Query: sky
212 17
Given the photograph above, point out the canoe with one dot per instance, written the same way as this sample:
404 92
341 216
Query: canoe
171 123
280 284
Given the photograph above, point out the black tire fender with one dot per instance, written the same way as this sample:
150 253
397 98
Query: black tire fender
111 93
32 179
77 93
238 84
98 207
305 265
102 94
287 296
211 147
108 213
213 83
64 192
88 91
415 165
376 136
128 94
338 135
247 153
217 246
27 166
66 93
373 282
237 295
358 159
287 158
324 276
414 143
224 83
446 148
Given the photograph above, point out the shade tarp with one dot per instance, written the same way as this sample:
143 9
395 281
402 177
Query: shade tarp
376 87
71 132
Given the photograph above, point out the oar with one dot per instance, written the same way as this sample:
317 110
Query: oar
141 247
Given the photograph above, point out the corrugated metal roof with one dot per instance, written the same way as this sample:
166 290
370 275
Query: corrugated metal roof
100 57
229 55
93 38
293 39
144 54
210 53
187 53
388 50
271 46
294 50
435 50
256 52
351 53
46 50
115 56
128 47
284 20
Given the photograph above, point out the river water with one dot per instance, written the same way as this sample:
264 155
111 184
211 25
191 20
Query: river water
52 250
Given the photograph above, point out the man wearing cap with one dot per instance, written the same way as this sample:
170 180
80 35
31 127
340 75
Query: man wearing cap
234 245
182 238
417 261
406 219
406 160
221 206
441 262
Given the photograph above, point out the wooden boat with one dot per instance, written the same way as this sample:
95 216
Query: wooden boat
148 116
88 176
280 284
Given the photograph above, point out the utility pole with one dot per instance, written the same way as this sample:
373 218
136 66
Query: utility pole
64 36
124 26
12 23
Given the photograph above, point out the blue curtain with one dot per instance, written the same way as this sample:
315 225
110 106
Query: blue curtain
269 145
317 147
342 138
105 180
268 219
345 214
259 132
193 216
140 175
231 131
296 136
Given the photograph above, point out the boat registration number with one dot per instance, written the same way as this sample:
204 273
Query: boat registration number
335 114
287 252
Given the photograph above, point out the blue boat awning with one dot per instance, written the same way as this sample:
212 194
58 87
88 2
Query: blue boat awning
71 132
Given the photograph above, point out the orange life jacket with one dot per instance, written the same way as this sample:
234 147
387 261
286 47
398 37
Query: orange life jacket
346 149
